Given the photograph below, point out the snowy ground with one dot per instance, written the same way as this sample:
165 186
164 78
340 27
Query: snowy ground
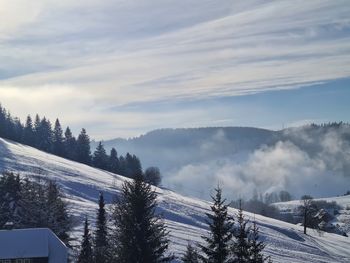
342 219
184 215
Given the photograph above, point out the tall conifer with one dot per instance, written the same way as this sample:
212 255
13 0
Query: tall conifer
217 248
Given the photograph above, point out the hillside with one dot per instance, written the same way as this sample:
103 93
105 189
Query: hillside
341 218
184 216
308 159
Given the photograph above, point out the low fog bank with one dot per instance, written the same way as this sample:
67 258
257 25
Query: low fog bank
311 160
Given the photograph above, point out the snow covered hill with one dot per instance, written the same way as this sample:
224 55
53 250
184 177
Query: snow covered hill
341 218
184 216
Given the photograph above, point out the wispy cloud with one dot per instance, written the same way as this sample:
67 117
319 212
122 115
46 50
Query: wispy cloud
115 53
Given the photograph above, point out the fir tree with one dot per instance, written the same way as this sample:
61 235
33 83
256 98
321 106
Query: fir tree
240 246
100 237
85 255
100 158
140 235
256 247
70 145
83 148
28 132
113 164
58 219
44 135
191 255
217 248
132 165
10 187
58 141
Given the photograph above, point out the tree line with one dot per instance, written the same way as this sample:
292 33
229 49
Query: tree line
139 235
39 133
132 231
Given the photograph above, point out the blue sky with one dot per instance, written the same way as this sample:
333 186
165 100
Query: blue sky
122 68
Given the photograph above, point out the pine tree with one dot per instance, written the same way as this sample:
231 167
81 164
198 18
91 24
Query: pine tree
113 163
217 248
44 135
70 145
241 246
58 141
191 255
140 235
100 238
132 165
42 205
58 219
83 148
28 132
256 247
36 129
10 187
100 158
85 255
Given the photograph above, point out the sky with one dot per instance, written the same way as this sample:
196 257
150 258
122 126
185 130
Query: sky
121 68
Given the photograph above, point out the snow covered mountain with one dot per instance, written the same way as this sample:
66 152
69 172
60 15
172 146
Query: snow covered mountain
184 215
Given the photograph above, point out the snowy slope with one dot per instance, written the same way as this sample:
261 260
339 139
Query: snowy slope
184 216
342 220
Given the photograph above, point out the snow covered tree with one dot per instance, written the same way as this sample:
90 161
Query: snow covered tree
58 140
241 246
140 235
58 219
100 157
42 205
10 187
217 248
85 255
83 148
191 255
100 236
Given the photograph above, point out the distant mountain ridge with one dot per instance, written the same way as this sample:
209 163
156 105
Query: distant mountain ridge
221 153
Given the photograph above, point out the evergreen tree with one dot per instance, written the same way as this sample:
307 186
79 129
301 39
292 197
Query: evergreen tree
241 246
132 165
28 132
256 247
140 235
100 158
58 219
83 148
100 239
217 248
113 163
44 135
42 205
10 188
70 145
85 255
191 255
58 141
36 129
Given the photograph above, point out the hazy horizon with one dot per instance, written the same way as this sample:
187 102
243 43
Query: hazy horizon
121 68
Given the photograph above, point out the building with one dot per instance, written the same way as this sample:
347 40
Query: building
36 245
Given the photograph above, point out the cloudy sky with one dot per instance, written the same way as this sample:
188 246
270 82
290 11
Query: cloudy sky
124 67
